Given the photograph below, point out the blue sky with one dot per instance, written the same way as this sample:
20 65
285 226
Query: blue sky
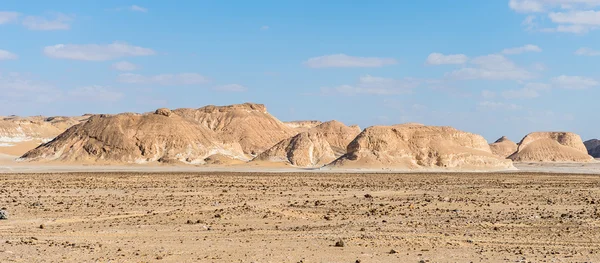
501 67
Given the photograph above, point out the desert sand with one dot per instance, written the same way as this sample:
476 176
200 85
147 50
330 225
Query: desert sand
300 217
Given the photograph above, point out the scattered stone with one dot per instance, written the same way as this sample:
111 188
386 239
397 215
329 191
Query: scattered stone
393 251
340 243
3 215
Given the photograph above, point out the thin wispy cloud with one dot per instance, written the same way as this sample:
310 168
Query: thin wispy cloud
574 82
124 66
520 50
441 59
584 51
345 61
567 16
96 52
55 21
8 17
6 55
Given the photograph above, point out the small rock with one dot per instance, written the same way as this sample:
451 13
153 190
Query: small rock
368 196
340 243
3 215
393 251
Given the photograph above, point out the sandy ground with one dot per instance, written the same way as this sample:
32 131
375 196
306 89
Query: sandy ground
299 217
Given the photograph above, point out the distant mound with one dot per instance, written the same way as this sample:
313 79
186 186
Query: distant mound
134 138
20 134
503 147
551 147
249 125
302 126
315 147
593 148
415 146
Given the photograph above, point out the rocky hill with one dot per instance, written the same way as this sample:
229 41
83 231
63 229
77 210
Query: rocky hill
503 147
316 147
593 147
135 138
415 146
551 147
249 125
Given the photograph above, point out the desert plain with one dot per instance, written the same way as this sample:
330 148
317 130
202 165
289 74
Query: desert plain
300 217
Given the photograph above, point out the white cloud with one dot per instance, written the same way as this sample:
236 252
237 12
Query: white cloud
574 16
58 22
584 51
345 61
8 17
441 59
6 55
264 28
95 93
231 88
498 106
526 5
523 49
491 67
574 82
164 79
137 8
533 6
529 22
375 86
124 66
589 17
96 52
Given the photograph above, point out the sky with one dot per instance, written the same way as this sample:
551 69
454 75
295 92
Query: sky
495 68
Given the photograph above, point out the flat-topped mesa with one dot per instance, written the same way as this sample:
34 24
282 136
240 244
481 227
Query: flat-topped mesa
551 147
503 147
593 147
415 146
301 126
248 125
245 106
313 148
134 138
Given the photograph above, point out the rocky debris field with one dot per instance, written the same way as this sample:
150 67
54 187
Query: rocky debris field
295 217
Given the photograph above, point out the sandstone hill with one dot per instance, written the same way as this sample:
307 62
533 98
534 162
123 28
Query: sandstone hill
551 147
415 146
249 125
593 147
302 126
135 138
503 147
20 134
316 147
